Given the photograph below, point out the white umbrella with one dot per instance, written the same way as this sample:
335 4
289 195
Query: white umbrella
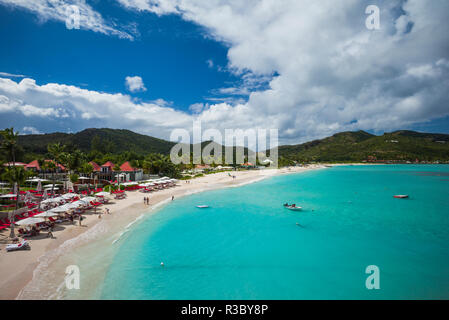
29 221
103 194
36 180
46 214
74 205
88 199
63 208
69 195
8 196
52 200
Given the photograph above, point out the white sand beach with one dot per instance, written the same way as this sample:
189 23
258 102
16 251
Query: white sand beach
20 271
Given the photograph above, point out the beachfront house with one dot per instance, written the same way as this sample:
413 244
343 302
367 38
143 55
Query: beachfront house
126 172
131 174
248 165
200 168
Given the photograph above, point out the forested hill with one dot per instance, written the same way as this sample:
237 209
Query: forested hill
360 145
102 140
345 146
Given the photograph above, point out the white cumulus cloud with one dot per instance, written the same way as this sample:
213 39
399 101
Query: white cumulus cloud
60 10
30 130
135 84
327 72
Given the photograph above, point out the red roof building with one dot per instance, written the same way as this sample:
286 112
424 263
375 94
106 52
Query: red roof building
60 166
107 167
248 164
33 165
202 166
96 166
126 167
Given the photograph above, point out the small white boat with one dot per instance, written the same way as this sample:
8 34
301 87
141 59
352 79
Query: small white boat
202 206
401 196
294 208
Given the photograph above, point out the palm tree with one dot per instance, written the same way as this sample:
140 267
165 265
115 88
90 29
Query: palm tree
75 160
56 151
16 176
50 166
9 143
87 168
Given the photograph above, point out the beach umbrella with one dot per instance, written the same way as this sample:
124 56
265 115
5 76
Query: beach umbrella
46 214
36 180
29 221
69 195
60 209
103 194
74 205
52 200
10 195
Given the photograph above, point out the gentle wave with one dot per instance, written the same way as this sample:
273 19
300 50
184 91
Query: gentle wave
42 274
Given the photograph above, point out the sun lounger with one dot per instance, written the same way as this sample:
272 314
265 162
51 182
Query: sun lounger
23 245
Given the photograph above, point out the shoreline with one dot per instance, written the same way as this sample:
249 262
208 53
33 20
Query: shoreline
29 266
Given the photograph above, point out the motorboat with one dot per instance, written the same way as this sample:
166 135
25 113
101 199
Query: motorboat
202 206
401 196
293 208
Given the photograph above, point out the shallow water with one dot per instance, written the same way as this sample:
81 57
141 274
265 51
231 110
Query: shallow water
247 246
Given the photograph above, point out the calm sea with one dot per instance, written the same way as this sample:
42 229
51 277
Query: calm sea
247 246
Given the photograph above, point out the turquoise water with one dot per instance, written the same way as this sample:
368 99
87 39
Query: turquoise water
247 246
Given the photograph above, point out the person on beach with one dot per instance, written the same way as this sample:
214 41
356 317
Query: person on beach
172 198
144 200
50 233
80 218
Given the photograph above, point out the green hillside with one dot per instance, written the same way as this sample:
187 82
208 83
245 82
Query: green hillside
104 140
360 146
345 146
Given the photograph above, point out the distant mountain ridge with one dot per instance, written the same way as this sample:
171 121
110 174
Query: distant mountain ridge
400 145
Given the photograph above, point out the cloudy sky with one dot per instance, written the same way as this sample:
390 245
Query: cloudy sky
308 68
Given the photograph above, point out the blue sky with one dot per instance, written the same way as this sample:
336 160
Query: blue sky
306 69
169 54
